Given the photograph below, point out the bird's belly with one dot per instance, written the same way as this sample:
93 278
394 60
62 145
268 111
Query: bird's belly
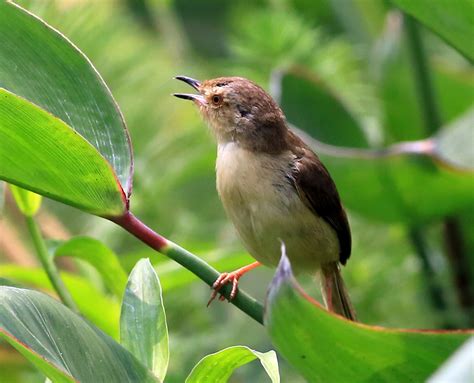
265 209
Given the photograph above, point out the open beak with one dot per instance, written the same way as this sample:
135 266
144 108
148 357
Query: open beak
188 96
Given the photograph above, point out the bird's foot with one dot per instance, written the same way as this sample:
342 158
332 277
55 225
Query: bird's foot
224 279
232 277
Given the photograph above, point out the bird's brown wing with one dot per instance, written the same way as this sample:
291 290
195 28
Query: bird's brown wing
317 190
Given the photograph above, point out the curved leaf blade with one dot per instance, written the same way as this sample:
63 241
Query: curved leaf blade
458 368
311 106
41 65
391 178
218 367
454 143
103 259
41 153
60 343
36 359
452 20
325 347
88 298
143 328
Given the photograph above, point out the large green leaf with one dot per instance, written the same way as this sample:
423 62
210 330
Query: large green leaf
385 184
311 106
325 347
218 367
88 298
453 144
143 328
98 255
41 153
403 118
458 368
405 183
61 344
452 20
44 67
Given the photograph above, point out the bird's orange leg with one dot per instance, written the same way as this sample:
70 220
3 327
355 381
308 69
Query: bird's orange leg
233 277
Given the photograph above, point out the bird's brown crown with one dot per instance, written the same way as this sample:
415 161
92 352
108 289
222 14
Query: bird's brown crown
240 111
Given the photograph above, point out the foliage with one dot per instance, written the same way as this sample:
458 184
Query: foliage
40 328
346 85
452 23
68 349
352 351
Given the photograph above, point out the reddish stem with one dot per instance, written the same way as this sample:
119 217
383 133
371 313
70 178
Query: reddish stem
134 226
189 261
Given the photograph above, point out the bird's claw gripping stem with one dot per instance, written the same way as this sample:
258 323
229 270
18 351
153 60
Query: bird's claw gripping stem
223 279
232 277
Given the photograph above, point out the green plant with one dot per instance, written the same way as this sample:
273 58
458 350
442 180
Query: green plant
63 136
66 348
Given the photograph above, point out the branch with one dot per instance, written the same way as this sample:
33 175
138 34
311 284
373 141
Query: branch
425 89
457 258
48 264
436 293
196 265
453 239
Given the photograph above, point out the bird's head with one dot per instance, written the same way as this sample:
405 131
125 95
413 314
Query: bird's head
240 111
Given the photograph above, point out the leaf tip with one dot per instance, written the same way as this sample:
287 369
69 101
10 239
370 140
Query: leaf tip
283 274
284 271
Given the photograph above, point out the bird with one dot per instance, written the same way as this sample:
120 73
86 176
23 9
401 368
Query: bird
273 187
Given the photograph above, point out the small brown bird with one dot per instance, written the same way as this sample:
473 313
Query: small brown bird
273 187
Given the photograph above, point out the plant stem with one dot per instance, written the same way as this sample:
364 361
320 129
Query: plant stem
454 242
436 294
48 264
459 264
429 108
193 263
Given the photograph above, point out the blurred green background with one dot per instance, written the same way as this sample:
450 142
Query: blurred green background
406 270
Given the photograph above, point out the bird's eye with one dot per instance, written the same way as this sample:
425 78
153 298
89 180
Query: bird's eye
216 99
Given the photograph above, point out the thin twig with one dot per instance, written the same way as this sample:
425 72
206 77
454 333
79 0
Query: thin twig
454 242
435 290
457 258
48 264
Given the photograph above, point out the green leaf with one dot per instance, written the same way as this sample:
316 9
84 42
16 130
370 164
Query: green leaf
458 368
452 20
403 119
41 153
453 142
90 301
42 66
308 104
390 178
98 255
218 367
143 328
28 202
325 347
61 344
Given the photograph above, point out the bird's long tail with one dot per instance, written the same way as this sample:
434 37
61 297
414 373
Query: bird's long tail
335 293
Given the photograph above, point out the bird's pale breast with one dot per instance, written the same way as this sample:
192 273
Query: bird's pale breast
265 208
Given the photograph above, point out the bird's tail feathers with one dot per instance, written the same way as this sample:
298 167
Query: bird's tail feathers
335 294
